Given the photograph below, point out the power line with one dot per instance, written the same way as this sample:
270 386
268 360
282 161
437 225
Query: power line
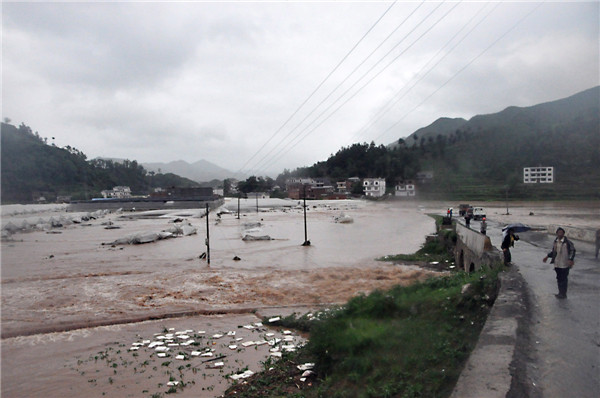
291 144
462 69
259 162
395 99
319 86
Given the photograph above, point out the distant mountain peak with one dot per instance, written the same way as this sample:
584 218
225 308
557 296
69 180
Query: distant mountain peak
200 171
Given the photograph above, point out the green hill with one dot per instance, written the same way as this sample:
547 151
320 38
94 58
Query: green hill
32 168
483 158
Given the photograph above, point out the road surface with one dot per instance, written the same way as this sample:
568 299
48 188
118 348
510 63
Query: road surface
562 352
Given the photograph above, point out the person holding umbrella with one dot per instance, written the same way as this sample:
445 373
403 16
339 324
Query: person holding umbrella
563 256
507 243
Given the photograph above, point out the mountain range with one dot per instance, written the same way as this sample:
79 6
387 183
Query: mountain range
200 171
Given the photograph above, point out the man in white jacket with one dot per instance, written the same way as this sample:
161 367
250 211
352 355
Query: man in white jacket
563 256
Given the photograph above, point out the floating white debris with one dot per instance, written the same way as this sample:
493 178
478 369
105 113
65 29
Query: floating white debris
155 343
303 379
233 347
180 357
189 331
232 333
171 329
239 339
162 348
169 335
216 365
307 373
248 343
172 383
288 348
146 342
452 266
184 336
180 332
276 354
207 354
288 338
160 337
262 342
434 262
201 331
258 324
249 327
274 341
270 334
275 349
188 342
287 332
161 354
173 344
306 366
277 318
195 353
137 344
217 336
244 375
134 348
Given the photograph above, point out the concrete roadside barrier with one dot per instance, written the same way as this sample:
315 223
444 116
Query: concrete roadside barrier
490 369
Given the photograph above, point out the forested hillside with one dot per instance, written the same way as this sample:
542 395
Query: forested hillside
485 157
32 168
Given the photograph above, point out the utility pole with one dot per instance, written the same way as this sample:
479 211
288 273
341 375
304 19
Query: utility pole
306 241
207 239
239 194
256 202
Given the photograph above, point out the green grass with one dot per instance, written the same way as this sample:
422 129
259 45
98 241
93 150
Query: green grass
404 342
439 249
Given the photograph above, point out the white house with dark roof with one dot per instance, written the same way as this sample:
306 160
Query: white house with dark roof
374 187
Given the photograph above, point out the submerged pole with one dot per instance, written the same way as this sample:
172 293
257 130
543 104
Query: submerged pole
239 194
207 238
306 241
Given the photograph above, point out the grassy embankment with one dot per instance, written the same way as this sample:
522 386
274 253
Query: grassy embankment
405 342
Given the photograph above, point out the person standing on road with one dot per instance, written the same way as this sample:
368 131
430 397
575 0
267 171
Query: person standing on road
507 243
563 256
483 227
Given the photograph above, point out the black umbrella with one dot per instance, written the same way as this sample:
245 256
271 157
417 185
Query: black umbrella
516 227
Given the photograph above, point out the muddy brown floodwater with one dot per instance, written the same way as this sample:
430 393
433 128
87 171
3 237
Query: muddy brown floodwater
68 281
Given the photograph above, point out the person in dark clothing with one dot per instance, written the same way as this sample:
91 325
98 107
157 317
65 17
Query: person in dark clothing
507 243
563 256
483 226
468 221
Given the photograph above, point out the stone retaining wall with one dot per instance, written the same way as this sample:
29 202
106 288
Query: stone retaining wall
474 249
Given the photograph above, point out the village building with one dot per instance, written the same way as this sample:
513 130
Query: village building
374 187
118 192
405 189
543 175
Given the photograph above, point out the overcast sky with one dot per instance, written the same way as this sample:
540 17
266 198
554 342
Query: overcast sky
165 81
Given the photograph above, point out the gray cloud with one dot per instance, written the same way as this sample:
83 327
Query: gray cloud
194 80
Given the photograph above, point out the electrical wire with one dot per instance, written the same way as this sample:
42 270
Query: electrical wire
257 164
419 76
299 138
318 86
461 69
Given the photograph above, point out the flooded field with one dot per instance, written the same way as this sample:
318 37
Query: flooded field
72 278
93 297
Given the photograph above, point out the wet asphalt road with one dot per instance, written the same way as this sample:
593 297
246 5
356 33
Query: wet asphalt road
563 353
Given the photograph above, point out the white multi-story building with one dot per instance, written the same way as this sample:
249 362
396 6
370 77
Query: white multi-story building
374 187
532 175
405 189
117 192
